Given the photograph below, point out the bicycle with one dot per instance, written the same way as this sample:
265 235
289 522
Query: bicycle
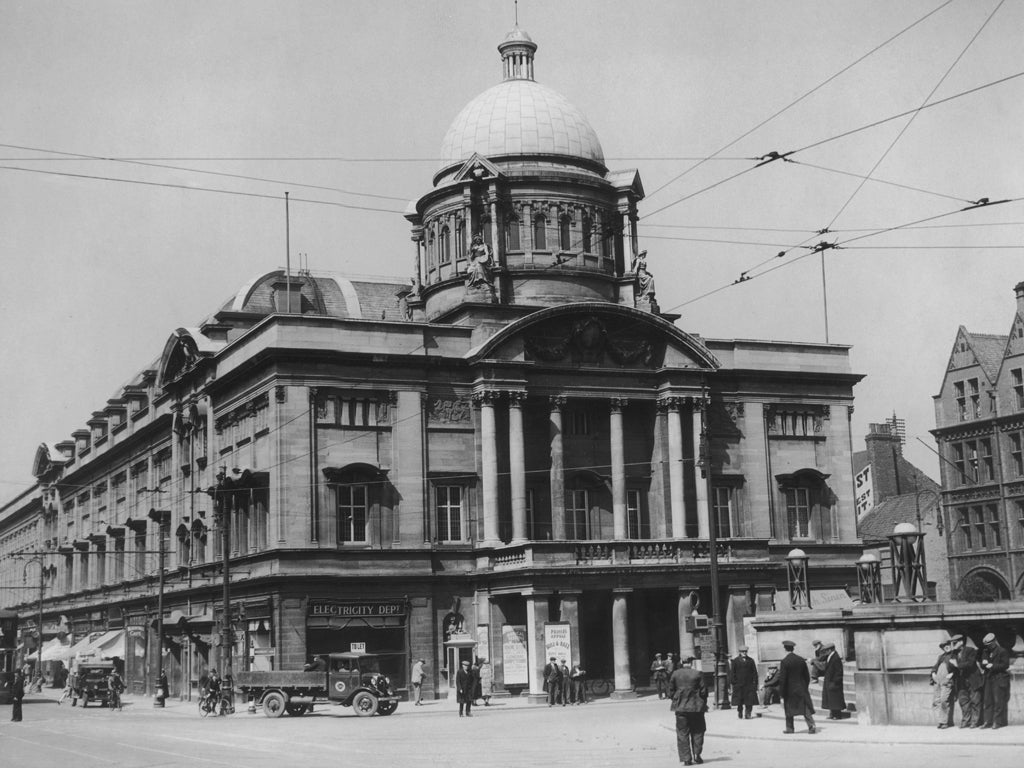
214 704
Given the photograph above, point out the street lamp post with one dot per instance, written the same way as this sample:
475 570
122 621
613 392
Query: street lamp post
909 574
869 578
42 587
717 625
796 574
158 693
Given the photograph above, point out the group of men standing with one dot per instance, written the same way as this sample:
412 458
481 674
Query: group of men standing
976 679
564 685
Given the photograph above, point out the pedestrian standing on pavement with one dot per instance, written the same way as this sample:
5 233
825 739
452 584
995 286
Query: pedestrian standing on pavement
670 664
943 677
743 679
832 697
578 678
794 679
659 675
563 683
486 680
552 678
689 702
17 694
465 685
418 674
817 660
969 682
161 686
70 683
995 663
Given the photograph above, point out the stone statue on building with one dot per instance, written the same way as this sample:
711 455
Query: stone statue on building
478 271
644 279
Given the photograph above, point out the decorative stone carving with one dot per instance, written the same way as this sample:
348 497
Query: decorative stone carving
447 410
618 403
242 412
558 402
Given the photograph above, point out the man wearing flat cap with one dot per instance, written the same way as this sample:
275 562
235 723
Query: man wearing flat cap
969 682
743 679
794 679
943 676
832 697
689 702
995 664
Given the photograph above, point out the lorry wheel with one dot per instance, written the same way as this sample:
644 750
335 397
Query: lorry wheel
274 704
365 704
297 710
386 707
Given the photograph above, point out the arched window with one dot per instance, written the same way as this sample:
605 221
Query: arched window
540 225
431 250
445 245
512 233
460 239
565 232
587 226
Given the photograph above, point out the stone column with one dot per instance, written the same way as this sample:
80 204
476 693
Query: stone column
700 482
619 527
557 481
489 461
620 644
517 466
687 646
675 468
536 617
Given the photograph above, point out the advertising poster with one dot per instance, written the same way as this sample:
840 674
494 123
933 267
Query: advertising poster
558 641
515 654
483 641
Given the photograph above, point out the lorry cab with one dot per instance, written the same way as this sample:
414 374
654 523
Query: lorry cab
351 673
92 683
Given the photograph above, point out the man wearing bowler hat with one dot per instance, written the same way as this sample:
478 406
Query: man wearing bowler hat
995 664
794 679
743 679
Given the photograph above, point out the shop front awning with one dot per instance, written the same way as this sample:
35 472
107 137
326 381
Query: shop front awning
109 645
56 650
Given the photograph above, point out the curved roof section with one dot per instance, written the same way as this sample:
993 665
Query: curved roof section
520 117
371 298
691 344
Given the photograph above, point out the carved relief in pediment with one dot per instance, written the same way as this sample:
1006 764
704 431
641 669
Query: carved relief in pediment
590 341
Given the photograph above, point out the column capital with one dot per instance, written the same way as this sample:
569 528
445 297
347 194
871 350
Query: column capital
486 397
670 403
622 591
557 402
618 403
516 398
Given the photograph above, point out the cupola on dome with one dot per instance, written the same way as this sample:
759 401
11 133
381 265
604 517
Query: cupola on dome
519 116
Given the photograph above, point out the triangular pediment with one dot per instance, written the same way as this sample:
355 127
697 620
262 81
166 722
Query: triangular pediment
477 167
1015 344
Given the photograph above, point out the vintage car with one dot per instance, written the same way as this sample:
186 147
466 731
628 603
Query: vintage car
91 683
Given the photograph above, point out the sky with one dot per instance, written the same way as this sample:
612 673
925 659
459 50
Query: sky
127 129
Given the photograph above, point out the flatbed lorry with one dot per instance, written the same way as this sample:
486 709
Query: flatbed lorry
351 679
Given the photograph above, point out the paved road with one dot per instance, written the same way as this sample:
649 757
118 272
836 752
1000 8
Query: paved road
508 734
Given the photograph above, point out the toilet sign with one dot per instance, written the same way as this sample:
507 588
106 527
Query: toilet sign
357 647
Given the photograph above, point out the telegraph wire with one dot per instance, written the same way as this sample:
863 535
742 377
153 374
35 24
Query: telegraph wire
879 181
801 98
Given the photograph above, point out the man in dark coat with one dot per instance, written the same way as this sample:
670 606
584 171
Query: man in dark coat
794 679
832 697
743 679
17 694
689 701
969 682
465 686
552 680
995 663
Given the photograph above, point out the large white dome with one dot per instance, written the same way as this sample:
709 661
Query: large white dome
520 117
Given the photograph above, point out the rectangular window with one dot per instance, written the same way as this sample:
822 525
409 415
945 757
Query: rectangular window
798 510
722 512
987 468
1020 518
140 553
118 558
1017 382
975 406
965 528
512 234
449 513
995 534
540 224
961 400
634 521
579 422
980 528
352 513
1017 453
565 233
101 563
959 465
69 572
971 452
577 507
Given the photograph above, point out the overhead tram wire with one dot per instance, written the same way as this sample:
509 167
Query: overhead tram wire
879 181
786 157
797 100
79 156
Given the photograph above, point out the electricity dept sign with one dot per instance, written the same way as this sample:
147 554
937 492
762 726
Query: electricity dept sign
356 609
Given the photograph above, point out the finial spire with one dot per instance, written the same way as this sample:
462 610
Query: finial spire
517 13
517 51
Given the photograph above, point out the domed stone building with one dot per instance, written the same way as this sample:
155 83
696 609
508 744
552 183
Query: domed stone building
515 455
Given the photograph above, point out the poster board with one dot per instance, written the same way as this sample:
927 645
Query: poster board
515 654
558 641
